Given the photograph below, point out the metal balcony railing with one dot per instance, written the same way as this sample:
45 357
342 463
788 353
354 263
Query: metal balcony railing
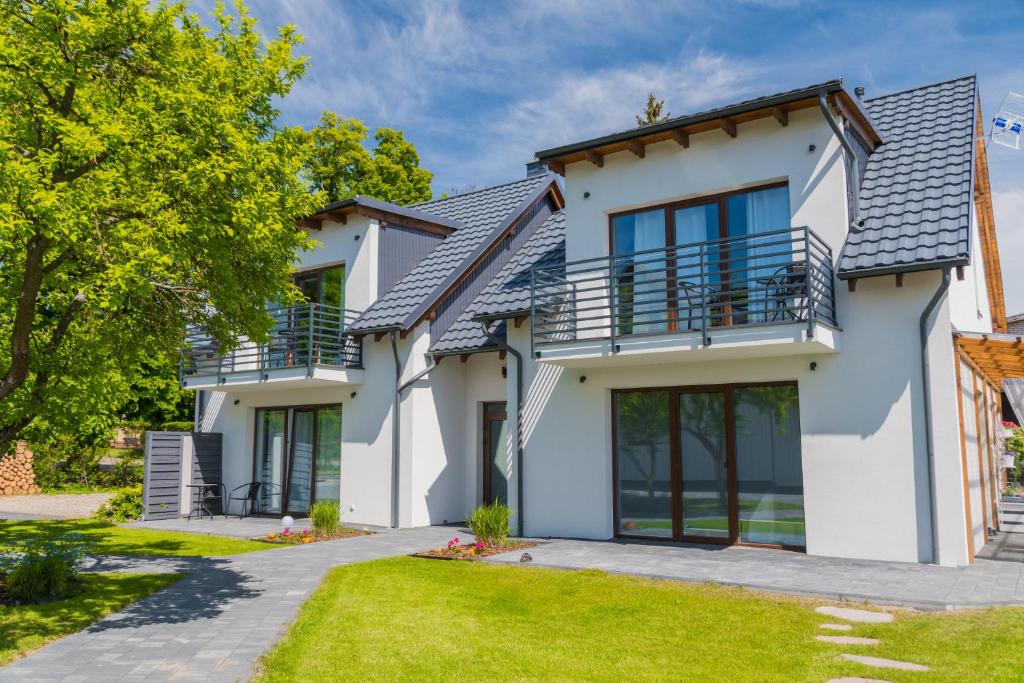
769 278
302 336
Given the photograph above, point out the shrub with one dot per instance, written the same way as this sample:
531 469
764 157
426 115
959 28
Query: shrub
489 523
42 570
125 506
326 516
177 426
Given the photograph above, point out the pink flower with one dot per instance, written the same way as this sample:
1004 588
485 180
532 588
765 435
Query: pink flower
305 531
479 545
286 532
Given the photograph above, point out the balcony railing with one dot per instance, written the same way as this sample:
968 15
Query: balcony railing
302 336
771 278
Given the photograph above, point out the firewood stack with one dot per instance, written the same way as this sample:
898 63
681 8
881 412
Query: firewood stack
16 474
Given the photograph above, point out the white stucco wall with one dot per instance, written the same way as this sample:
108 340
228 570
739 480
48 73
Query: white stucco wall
968 298
353 244
864 454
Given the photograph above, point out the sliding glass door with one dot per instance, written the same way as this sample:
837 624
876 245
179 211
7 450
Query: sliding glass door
298 457
710 464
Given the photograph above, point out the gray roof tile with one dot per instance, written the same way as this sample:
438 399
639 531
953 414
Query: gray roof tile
481 214
915 199
509 291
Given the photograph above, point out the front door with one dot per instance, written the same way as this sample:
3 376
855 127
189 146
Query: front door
495 465
298 457
710 464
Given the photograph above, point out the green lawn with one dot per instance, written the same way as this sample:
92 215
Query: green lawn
414 619
27 627
118 540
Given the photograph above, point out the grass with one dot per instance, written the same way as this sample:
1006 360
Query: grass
110 539
410 619
27 627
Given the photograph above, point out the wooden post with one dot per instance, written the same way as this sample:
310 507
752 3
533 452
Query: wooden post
963 456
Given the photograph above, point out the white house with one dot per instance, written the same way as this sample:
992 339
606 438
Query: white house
760 324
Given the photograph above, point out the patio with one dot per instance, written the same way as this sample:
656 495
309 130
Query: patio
986 583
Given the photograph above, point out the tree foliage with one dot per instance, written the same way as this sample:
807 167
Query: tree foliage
340 166
652 112
145 186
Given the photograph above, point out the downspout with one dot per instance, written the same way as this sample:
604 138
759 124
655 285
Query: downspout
926 383
519 421
848 148
396 422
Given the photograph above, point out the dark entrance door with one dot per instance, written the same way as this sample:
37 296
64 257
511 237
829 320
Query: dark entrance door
495 454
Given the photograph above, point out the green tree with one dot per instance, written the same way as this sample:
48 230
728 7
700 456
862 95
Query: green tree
340 166
652 112
145 186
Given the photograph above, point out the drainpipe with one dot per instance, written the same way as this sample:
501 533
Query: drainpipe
925 376
848 148
519 421
396 422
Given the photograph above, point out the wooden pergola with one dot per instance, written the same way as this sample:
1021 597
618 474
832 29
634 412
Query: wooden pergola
982 362
998 356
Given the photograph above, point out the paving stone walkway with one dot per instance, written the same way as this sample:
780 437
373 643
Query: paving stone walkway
214 624
985 583
51 505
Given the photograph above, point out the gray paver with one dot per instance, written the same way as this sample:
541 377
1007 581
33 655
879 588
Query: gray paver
858 615
837 627
848 640
213 624
904 584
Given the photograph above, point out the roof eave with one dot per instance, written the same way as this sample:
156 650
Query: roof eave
905 268
766 103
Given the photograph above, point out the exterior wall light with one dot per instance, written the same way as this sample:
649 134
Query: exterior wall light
586 195
814 365
353 394
583 378
811 148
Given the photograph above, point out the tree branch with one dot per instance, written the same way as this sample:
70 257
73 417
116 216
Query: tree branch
21 331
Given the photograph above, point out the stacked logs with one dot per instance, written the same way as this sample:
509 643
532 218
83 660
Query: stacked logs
16 474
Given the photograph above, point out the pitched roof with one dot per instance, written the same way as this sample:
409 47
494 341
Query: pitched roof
509 292
915 200
768 105
483 214
387 207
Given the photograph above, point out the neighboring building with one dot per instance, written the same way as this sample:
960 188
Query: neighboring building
1015 324
719 321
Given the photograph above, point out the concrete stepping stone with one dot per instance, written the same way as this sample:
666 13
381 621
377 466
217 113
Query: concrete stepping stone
859 615
885 663
837 627
847 640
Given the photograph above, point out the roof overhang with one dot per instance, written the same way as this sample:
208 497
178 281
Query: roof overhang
903 268
724 119
385 212
998 356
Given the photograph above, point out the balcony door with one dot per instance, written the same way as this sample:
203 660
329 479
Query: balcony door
687 264
297 458
709 464
316 331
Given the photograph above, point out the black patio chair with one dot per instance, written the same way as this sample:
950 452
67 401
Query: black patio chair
250 499
207 500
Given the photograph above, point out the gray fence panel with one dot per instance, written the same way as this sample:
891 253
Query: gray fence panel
161 485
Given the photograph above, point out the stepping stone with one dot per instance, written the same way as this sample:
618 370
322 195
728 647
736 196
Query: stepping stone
837 627
885 663
861 615
847 640
855 679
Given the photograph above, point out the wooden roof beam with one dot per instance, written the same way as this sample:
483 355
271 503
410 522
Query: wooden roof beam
729 126
781 115
682 138
556 166
638 148
596 158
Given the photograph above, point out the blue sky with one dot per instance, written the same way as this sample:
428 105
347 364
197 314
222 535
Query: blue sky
480 86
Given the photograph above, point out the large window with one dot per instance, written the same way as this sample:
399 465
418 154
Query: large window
665 280
298 457
718 464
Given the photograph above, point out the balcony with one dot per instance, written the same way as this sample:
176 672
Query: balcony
306 348
755 295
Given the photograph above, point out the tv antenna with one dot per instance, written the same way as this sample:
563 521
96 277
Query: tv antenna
1008 122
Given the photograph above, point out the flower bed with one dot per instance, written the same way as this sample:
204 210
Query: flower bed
472 552
301 537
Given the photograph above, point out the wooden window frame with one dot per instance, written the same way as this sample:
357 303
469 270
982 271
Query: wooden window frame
721 199
674 392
